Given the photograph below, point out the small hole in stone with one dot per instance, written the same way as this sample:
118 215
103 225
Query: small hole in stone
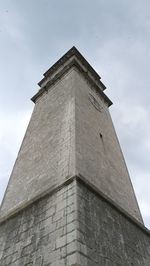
101 135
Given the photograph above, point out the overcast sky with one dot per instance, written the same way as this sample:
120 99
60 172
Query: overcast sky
114 36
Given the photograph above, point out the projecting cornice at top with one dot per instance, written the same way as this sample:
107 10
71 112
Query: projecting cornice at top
72 58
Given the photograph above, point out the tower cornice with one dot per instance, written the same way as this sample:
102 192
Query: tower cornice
72 58
72 52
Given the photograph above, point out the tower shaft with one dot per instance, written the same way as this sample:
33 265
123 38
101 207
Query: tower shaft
69 200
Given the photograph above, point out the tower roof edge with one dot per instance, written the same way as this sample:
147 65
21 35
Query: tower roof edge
71 52
71 58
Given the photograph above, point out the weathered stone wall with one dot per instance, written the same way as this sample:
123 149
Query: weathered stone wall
46 157
42 234
98 155
73 227
108 237
71 134
68 136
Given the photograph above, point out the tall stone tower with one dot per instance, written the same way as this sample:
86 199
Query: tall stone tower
69 200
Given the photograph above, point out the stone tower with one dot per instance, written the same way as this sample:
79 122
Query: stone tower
69 200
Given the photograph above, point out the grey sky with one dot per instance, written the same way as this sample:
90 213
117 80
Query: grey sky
114 36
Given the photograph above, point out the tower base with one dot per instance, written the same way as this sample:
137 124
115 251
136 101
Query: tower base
75 226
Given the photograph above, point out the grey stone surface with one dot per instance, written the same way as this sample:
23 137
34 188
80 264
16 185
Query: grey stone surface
49 217
42 234
73 227
70 132
106 236
46 158
98 154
